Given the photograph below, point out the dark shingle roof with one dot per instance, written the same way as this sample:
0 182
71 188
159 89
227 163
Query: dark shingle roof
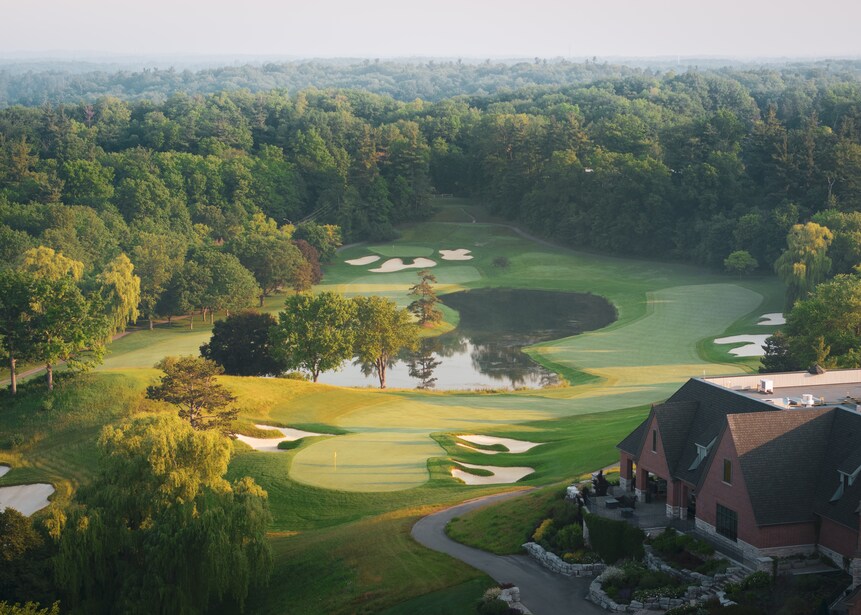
789 458
674 423
714 404
844 446
780 454
633 442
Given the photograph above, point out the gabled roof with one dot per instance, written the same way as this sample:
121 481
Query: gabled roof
843 449
674 423
780 455
633 442
695 414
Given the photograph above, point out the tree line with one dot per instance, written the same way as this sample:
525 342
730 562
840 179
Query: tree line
696 166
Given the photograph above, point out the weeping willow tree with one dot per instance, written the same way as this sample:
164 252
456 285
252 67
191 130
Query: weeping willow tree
805 262
121 289
160 530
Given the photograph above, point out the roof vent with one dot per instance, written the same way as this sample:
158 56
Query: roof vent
816 369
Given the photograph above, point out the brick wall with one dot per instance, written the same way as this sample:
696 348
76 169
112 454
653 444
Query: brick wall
838 538
655 461
772 540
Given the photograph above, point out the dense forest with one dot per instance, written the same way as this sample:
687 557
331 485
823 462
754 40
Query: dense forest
692 166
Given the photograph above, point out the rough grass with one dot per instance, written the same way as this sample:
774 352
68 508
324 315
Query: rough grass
502 528
455 600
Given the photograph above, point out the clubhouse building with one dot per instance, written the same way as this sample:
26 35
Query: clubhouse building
768 465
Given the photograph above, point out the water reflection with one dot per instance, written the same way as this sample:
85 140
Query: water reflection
485 351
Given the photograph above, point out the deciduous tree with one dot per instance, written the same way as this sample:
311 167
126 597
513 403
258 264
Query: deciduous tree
315 332
241 345
382 332
189 384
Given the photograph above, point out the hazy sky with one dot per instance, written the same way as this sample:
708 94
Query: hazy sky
450 28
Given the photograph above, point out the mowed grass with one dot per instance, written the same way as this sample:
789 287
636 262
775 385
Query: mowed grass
666 311
343 505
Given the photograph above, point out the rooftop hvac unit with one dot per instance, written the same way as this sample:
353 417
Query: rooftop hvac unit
766 386
807 400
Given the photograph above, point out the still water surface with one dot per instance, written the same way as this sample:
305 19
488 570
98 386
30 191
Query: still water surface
485 351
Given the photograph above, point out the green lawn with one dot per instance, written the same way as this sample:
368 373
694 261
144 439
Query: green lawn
343 505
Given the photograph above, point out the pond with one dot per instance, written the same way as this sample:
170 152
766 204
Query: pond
485 351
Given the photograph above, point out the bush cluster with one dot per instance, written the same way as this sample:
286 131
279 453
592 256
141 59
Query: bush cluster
683 551
634 581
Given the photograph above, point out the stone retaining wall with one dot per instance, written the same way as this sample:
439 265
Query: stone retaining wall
700 589
553 562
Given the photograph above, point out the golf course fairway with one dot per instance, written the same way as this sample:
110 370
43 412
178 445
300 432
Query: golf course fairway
666 313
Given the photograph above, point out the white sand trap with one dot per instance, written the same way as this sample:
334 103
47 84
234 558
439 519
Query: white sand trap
513 446
365 260
397 264
754 345
774 318
500 475
461 254
4 469
270 445
26 499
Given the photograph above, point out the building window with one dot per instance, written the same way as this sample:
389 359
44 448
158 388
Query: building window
654 440
727 523
727 471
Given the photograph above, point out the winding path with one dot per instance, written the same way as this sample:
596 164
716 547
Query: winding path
543 592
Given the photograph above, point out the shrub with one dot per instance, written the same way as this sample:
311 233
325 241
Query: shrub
713 566
757 580
501 262
614 540
294 376
542 531
569 538
564 512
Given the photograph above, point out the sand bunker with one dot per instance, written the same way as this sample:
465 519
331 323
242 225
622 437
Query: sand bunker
752 349
774 318
513 446
270 445
397 264
500 475
4 469
365 260
461 254
26 499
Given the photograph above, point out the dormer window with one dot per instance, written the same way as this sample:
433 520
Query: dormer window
846 481
702 453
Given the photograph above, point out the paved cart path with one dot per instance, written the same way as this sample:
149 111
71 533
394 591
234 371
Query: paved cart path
543 592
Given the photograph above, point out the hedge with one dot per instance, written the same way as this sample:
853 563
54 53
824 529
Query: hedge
614 540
